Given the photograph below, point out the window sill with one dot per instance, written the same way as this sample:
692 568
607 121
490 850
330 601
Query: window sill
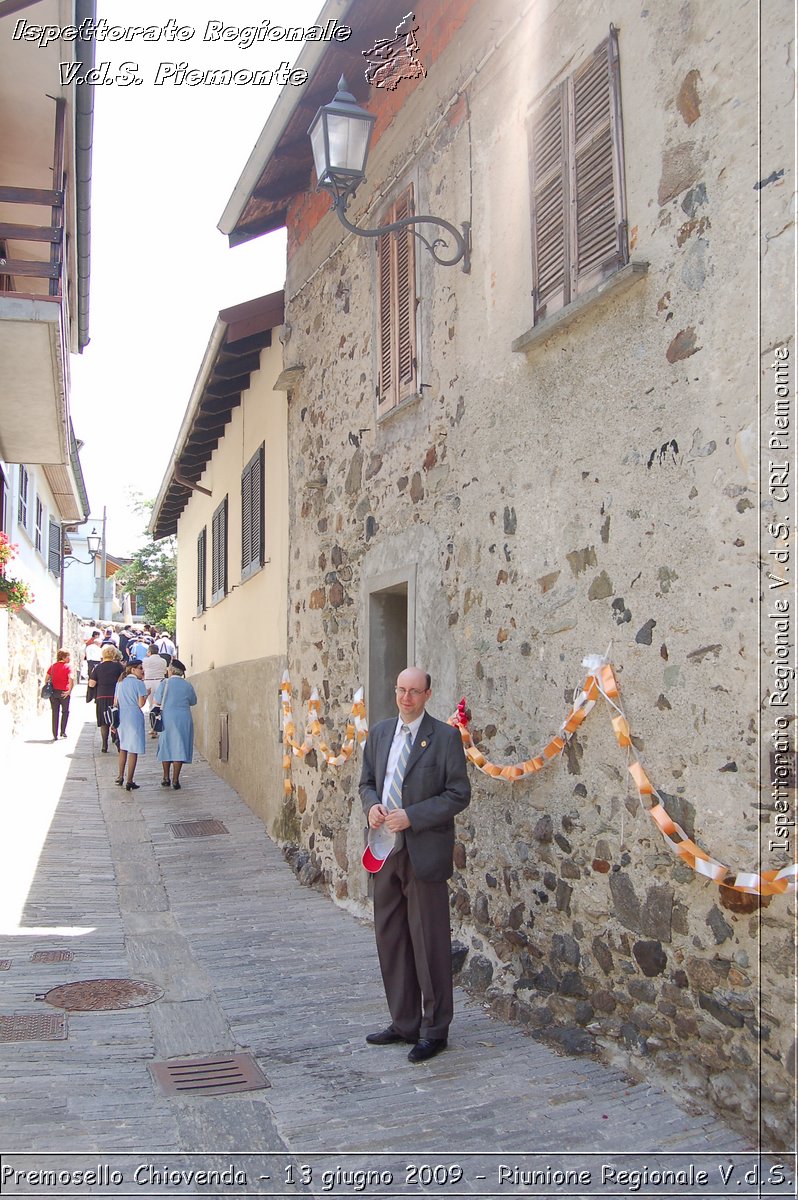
562 320
402 406
252 570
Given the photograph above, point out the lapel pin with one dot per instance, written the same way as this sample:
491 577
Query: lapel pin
423 745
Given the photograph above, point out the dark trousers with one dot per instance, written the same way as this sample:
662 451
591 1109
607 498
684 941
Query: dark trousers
59 703
414 946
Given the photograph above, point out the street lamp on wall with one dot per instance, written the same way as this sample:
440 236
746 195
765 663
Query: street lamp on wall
93 543
340 135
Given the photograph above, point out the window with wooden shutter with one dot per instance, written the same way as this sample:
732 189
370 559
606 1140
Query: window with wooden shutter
396 307
202 569
54 548
219 553
38 539
252 514
579 230
22 499
3 502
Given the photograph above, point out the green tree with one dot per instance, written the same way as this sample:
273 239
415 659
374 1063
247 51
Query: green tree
151 574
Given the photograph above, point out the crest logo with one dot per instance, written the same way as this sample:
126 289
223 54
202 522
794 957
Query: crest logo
393 59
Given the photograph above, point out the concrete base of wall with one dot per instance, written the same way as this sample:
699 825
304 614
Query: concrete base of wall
248 695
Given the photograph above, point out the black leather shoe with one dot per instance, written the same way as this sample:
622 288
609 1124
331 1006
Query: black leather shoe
386 1037
426 1048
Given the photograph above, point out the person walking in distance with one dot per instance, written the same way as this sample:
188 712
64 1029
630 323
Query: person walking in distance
101 687
414 782
63 680
130 697
177 697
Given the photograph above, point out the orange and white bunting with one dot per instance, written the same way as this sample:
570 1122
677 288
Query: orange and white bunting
356 730
600 682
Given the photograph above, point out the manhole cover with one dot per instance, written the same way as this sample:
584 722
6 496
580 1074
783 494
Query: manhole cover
48 1028
213 1076
208 827
52 956
94 995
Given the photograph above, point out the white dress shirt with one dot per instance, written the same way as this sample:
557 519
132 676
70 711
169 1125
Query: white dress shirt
395 751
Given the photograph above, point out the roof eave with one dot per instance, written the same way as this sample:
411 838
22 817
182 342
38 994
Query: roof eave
289 99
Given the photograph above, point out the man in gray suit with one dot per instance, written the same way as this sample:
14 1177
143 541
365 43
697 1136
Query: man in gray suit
414 782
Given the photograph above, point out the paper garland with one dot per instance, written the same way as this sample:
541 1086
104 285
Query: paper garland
600 681
356 730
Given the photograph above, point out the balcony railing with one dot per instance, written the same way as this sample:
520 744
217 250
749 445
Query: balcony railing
16 271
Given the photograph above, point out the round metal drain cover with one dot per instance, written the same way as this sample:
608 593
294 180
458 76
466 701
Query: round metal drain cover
92 995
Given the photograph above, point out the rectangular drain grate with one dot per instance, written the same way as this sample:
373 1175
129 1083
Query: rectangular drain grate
214 1076
39 1028
208 827
52 956
5 964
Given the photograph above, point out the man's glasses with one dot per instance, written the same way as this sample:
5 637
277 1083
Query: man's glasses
411 693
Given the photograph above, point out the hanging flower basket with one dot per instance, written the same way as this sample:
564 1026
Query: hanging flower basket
8 550
14 594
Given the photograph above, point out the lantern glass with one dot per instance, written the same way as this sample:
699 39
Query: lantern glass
318 137
93 543
349 142
339 137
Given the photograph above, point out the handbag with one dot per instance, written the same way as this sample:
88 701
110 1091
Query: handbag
47 688
156 712
116 717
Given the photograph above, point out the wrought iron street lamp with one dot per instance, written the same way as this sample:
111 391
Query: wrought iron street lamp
93 543
340 135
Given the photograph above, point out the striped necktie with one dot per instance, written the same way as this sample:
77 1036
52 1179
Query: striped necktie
395 790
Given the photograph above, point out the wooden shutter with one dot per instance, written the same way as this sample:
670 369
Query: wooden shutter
599 233
22 501
405 294
258 506
39 526
246 519
219 553
252 514
550 205
396 307
54 548
202 567
579 234
385 388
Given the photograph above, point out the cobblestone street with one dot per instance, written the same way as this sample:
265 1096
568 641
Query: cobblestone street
245 960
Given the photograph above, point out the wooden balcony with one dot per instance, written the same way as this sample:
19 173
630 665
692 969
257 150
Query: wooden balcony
19 264
34 314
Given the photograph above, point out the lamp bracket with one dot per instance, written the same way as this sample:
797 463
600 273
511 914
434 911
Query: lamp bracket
461 237
70 558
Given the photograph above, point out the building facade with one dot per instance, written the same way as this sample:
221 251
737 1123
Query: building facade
45 176
495 474
225 497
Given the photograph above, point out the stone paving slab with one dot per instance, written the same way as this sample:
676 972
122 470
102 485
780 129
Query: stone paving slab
251 961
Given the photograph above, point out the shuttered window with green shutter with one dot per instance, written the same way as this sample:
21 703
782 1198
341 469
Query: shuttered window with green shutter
54 548
202 569
396 307
579 228
252 514
219 553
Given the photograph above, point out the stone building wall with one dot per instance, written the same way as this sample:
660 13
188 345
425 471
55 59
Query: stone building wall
27 648
598 490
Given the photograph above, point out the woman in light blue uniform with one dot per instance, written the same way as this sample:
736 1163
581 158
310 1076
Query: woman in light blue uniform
130 697
176 742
